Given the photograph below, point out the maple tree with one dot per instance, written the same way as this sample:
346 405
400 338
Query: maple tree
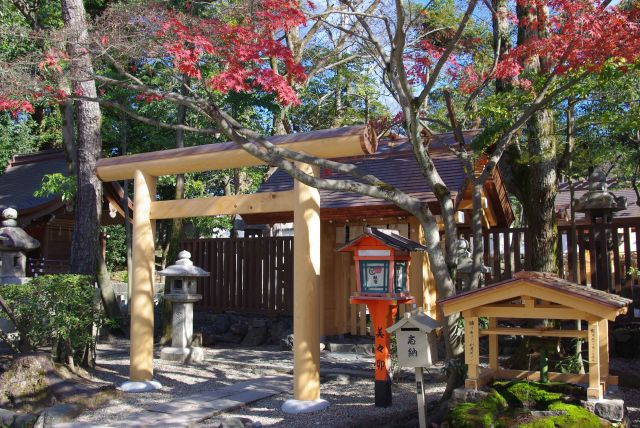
423 66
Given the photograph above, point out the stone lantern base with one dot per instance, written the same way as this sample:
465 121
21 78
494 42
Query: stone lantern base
183 355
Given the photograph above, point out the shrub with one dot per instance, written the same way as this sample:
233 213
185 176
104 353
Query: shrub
57 310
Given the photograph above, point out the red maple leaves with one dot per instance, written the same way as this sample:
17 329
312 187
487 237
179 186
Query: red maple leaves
240 52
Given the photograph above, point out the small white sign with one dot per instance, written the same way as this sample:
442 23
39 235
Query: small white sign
413 348
374 253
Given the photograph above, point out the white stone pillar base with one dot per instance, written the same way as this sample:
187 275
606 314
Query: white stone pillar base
140 386
183 355
294 407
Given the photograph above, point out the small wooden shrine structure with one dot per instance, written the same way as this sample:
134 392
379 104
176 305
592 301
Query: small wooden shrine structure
535 295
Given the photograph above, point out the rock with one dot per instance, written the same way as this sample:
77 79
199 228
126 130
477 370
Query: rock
25 420
236 423
239 328
255 337
221 323
7 417
228 337
57 414
286 344
322 346
281 329
467 395
611 410
260 322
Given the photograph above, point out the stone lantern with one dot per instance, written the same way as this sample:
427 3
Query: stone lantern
14 242
599 204
465 264
182 278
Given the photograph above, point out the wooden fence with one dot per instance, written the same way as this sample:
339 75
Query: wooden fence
507 251
246 274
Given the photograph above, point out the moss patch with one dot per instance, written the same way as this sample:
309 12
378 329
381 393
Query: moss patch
483 413
507 402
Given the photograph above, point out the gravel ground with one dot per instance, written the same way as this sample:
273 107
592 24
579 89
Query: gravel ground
351 406
351 395
347 383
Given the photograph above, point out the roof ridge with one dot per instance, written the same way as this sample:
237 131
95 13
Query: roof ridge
25 158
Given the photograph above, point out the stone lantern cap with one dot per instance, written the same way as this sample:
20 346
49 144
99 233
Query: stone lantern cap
599 197
184 267
13 237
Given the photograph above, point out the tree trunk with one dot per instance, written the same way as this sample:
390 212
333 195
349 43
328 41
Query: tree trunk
531 174
86 257
176 233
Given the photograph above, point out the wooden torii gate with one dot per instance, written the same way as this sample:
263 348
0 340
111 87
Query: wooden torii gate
303 200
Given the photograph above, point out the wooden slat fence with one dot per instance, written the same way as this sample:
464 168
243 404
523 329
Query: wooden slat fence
507 251
246 274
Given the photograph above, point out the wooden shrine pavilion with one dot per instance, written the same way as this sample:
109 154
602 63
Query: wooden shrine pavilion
534 295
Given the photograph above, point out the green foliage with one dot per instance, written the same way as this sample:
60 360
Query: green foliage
56 309
570 364
116 256
483 413
15 138
57 184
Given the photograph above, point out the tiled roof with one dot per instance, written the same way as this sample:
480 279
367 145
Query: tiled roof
391 238
23 176
394 164
563 201
553 282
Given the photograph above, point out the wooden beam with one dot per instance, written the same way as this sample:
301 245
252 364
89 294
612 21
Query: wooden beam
306 290
594 391
510 291
330 143
520 311
471 345
603 337
493 345
223 205
535 376
143 253
516 331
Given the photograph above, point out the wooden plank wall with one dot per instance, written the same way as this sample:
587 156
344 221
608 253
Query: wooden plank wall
506 251
246 274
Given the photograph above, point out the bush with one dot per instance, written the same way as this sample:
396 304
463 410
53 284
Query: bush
116 255
57 310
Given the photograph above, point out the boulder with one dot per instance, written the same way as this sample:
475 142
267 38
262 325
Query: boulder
256 336
609 409
467 395
239 328
286 344
57 414
228 337
281 329
7 417
221 323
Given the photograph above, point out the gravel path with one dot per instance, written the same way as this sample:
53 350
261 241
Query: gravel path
351 395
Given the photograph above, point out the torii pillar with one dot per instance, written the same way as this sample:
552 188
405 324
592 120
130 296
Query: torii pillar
306 295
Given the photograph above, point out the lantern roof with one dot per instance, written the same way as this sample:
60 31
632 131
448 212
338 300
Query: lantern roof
13 237
419 320
183 267
390 238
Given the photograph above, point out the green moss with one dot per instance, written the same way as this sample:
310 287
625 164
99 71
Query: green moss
534 394
481 414
505 402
